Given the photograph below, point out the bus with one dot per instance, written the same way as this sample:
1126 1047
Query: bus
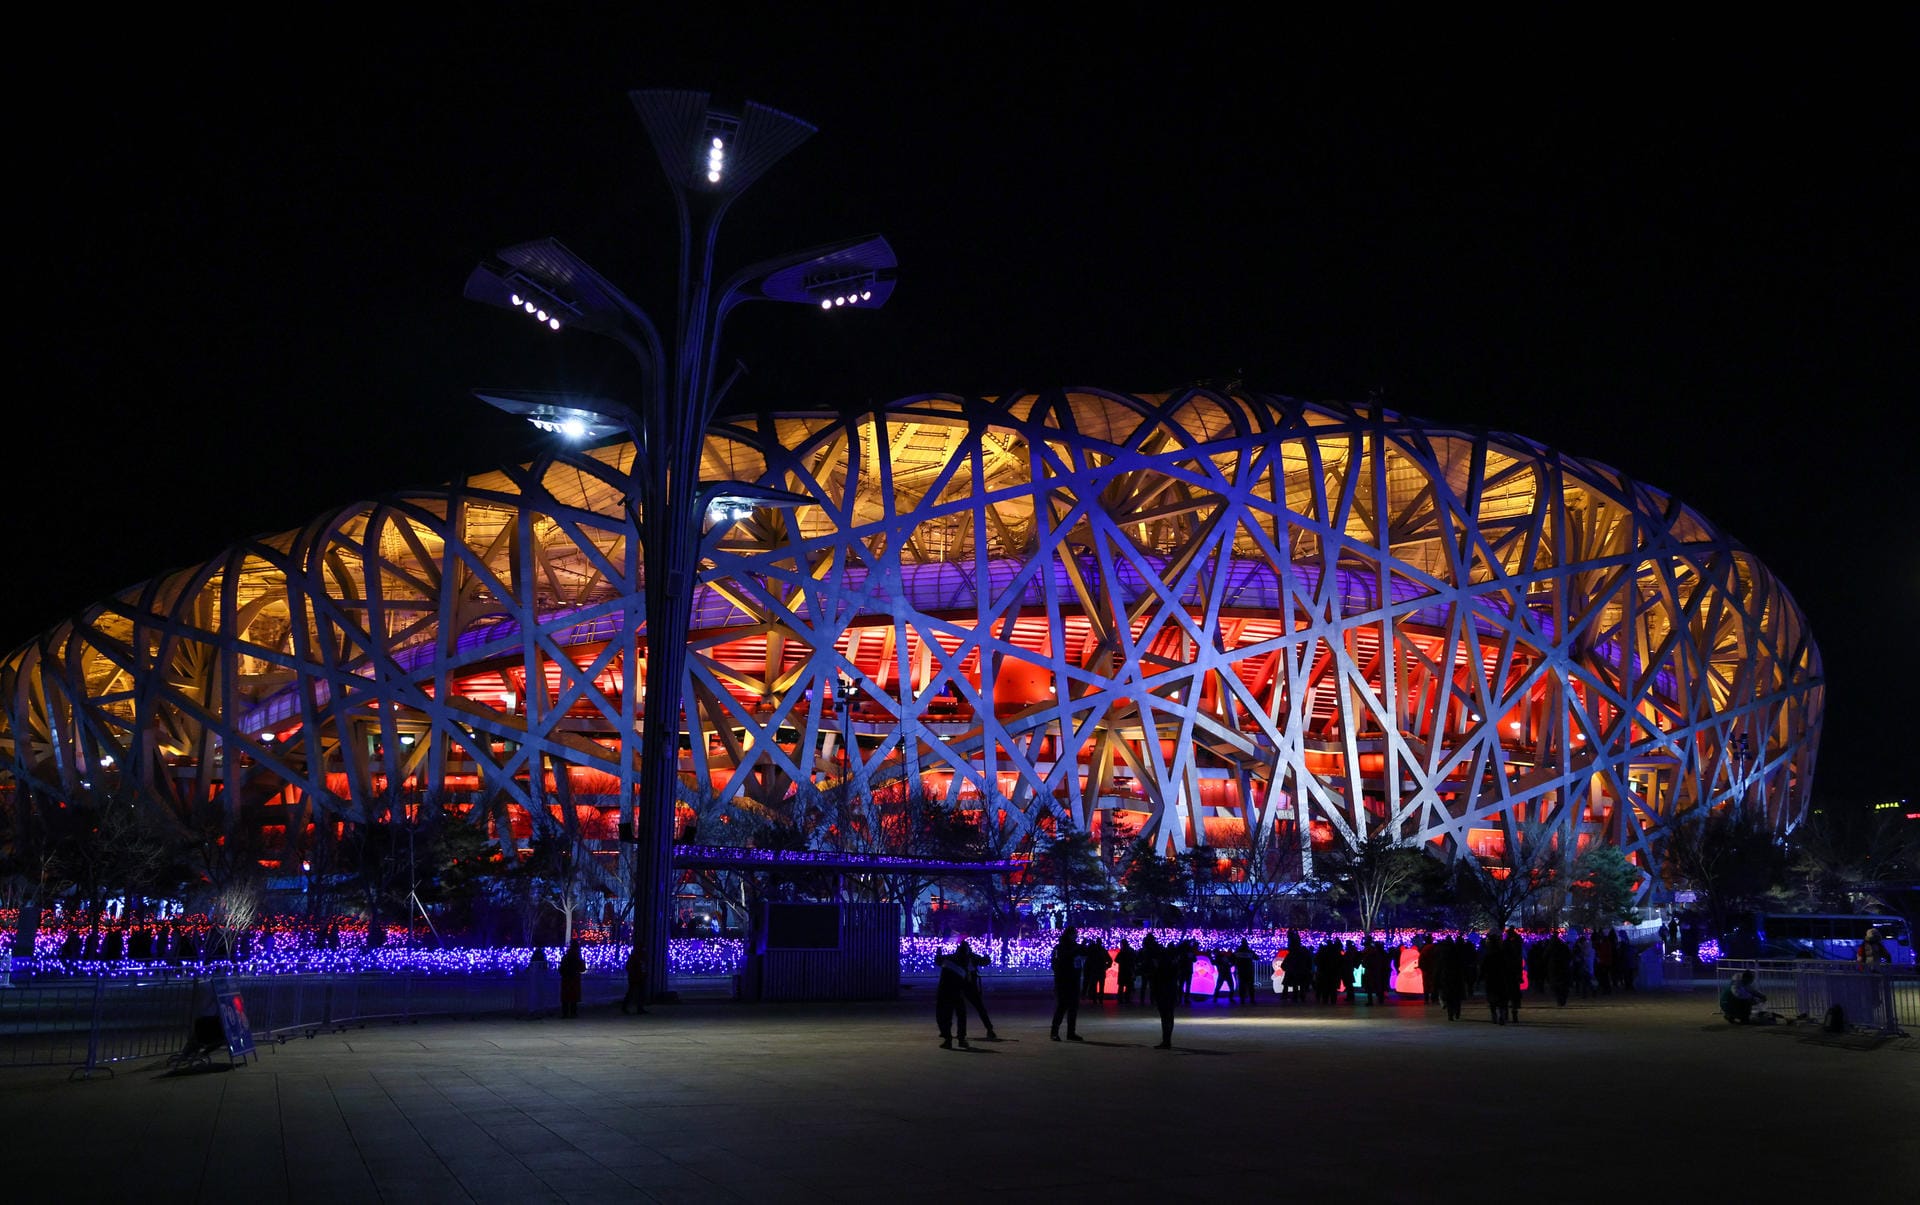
1829 935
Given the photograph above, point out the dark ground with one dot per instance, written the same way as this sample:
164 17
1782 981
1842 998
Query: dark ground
1644 1096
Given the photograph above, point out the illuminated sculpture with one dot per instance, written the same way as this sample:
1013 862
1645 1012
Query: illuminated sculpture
1204 610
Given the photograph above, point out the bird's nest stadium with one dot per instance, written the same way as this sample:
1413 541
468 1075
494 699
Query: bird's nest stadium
1207 614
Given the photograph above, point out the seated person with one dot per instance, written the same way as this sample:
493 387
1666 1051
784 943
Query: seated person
1738 998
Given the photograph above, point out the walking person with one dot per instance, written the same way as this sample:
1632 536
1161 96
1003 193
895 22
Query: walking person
965 954
1583 966
1129 966
1451 967
1162 969
1069 964
1559 967
1296 969
1244 967
1375 966
573 967
1326 972
1185 954
1516 972
1098 960
636 996
950 999
1493 970
1223 976
537 981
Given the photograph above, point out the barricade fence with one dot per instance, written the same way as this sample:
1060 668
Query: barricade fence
1879 999
93 1023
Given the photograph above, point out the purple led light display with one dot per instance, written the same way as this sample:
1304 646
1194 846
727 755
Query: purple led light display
289 946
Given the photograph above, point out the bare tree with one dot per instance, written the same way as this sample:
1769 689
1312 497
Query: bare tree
234 911
1845 858
105 846
1153 881
1731 859
1001 840
1265 861
1534 865
1380 872
900 822
569 896
1069 868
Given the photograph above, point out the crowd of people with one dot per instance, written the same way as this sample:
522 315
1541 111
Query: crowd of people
1502 966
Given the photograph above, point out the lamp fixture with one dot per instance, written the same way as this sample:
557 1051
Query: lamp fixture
729 511
720 131
536 301
834 289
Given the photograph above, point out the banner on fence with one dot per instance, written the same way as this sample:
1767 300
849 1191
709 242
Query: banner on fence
233 1020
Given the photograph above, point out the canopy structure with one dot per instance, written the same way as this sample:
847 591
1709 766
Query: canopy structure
734 857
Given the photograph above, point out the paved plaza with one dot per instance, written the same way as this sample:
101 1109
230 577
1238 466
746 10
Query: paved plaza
1644 1095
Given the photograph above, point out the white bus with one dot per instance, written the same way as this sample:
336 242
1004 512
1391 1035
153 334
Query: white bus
1829 935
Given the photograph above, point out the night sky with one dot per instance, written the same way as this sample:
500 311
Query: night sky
1685 252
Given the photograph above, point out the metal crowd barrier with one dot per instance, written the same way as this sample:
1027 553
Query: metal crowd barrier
93 1024
1877 999
284 1006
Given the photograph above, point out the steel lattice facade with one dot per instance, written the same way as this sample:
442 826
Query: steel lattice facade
1210 610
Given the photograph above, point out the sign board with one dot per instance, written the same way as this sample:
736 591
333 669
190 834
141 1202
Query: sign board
25 930
803 927
233 1020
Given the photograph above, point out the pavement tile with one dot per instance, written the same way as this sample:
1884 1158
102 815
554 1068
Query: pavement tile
854 1104
423 1192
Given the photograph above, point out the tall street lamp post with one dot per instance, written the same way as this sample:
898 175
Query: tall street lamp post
1739 750
844 695
709 156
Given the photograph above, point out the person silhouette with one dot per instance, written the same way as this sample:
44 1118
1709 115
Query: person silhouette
964 952
1069 964
1497 969
950 999
1454 957
1161 966
573 968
